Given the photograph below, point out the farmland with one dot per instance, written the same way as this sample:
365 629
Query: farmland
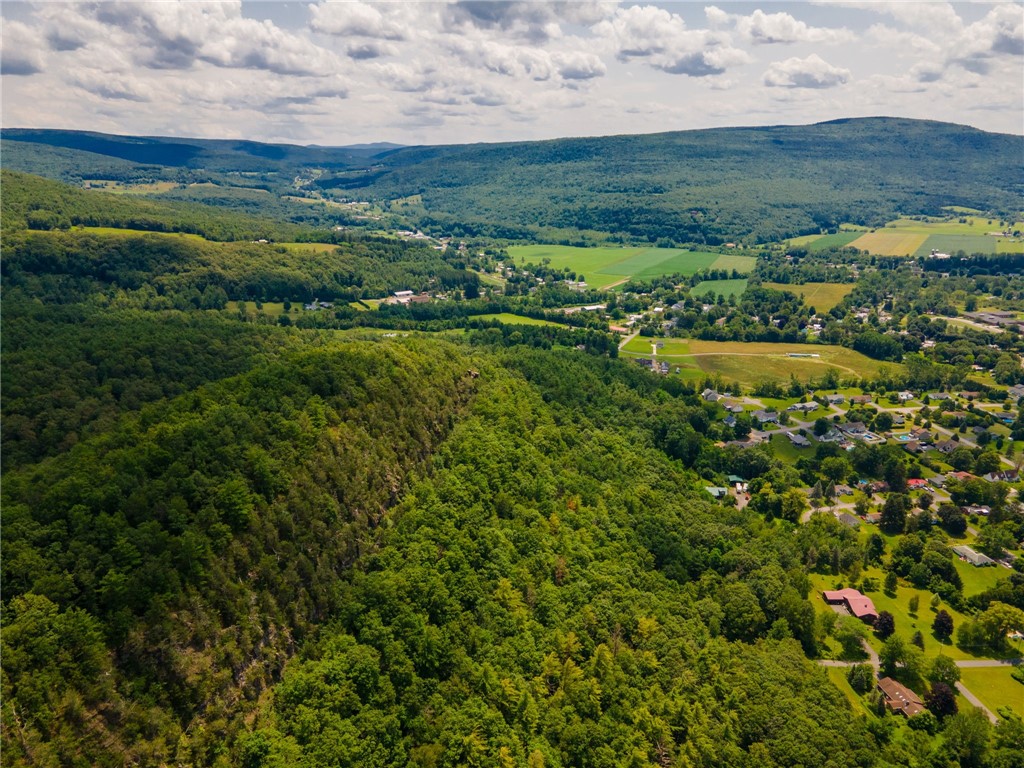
890 242
719 287
752 363
606 266
918 237
821 296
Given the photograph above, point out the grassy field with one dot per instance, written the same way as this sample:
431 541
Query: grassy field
890 242
953 243
605 266
121 188
821 296
307 247
270 308
821 242
510 319
752 363
133 232
1009 246
995 687
719 287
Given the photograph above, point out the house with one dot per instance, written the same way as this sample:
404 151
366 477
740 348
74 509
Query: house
874 518
734 408
808 407
898 420
1016 391
905 396
970 395
973 557
921 435
860 399
766 417
835 399
976 509
857 604
798 440
717 492
916 483
710 396
963 477
899 698
853 429
847 519
913 447
946 446
729 421
1003 476
938 396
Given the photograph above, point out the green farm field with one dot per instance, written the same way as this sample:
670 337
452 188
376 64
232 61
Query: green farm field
821 242
510 319
953 243
890 242
821 296
719 287
607 266
905 237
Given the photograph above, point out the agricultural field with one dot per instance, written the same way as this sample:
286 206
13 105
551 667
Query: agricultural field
509 319
608 266
995 687
719 287
953 243
307 247
837 240
821 296
890 242
751 363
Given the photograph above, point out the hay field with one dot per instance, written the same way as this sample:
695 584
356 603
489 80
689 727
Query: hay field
886 242
821 296
719 287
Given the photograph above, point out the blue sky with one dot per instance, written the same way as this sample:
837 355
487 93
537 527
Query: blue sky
419 72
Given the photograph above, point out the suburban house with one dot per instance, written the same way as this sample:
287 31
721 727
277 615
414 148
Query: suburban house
946 446
921 435
766 417
1003 476
905 396
938 395
1016 391
873 517
972 556
717 492
898 420
798 440
913 447
860 399
899 698
711 396
857 604
804 407
847 519
963 477
835 399
853 429
916 483
729 421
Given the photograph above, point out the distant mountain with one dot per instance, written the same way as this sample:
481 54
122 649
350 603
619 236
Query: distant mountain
704 186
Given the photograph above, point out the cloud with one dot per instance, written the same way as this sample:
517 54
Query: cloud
358 19
812 72
763 28
112 85
578 65
22 52
662 40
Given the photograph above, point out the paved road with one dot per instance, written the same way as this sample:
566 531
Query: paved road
971 663
977 702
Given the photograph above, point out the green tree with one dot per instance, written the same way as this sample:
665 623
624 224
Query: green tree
965 738
943 670
941 701
885 624
942 625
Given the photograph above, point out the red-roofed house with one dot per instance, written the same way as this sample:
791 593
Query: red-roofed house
916 482
857 604
899 698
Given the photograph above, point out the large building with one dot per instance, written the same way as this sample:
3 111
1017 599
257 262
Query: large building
857 604
899 698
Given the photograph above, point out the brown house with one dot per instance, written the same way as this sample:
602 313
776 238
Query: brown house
899 698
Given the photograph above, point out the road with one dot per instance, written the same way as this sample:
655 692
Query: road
977 702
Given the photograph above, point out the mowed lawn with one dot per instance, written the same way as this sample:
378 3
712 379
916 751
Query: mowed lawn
754 362
605 266
821 296
995 687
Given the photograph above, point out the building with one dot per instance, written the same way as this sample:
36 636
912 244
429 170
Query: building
808 407
766 417
973 557
1016 391
916 484
899 698
857 604
711 396
798 440
905 396
946 446
860 399
836 399
847 519
717 492
1003 476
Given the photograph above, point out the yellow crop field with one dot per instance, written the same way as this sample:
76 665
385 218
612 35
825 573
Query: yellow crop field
821 296
890 243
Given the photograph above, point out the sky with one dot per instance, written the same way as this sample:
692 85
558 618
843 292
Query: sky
337 73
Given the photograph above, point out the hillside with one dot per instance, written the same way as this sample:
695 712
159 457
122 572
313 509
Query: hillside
706 186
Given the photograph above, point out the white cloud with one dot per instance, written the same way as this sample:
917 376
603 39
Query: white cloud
22 52
359 19
763 28
812 72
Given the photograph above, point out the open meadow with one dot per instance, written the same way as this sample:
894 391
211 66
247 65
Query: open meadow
751 363
821 296
719 287
509 319
607 265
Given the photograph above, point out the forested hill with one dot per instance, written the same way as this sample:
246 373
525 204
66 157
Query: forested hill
704 186
710 185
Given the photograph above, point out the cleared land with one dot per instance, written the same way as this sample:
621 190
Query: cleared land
606 266
890 242
752 363
995 687
719 287
510 319
821 296
307 247
954 243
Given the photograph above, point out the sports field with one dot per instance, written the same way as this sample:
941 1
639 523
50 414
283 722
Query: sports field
821 296
606 266
752 363
719 287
